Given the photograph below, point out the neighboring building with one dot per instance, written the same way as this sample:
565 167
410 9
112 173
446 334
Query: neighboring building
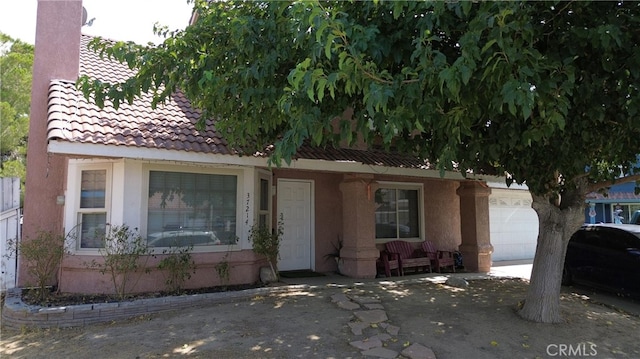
616 206
150 169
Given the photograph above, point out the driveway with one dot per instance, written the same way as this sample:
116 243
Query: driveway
522 269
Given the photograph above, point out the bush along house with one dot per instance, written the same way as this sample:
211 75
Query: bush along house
149 169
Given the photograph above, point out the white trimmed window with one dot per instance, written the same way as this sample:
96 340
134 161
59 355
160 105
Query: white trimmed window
398 212
192 209
92 211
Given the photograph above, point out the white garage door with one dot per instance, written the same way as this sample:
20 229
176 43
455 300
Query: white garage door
513 224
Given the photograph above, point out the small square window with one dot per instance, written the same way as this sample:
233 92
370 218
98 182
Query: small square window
93 229
92 189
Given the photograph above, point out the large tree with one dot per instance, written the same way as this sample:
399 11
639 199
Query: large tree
544 92
16 62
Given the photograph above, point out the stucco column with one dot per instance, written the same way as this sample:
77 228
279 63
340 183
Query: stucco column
359 252
476 245
56 57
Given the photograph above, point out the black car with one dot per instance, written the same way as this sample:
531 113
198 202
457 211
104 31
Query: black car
605 256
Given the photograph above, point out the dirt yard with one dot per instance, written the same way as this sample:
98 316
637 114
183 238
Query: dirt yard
477 322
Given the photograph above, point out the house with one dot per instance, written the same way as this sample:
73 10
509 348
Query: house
616 206
151 170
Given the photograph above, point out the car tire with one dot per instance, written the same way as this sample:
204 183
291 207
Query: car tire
567 278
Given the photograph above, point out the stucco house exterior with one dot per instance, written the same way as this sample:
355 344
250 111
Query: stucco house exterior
616 206
151 170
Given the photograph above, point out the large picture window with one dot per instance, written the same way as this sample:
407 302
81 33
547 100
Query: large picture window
195 209
397 213
92 214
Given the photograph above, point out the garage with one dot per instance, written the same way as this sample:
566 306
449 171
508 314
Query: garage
513 224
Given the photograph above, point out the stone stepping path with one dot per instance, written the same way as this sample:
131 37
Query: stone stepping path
375 336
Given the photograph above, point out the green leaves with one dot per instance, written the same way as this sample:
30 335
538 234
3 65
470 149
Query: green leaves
518 96
16 63
524 87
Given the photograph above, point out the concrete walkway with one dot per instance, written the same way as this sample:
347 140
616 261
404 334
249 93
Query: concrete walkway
370 324
505 269
373 330
513 269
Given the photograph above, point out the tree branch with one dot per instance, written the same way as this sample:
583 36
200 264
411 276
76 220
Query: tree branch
561 10
599 185
368 74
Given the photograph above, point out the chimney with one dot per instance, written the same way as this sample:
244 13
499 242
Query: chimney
57 46
57 51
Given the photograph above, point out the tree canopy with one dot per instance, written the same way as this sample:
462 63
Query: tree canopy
546 92
16 62
496 85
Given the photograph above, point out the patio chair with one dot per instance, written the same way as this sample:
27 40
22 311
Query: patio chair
408 257
439 259
388 263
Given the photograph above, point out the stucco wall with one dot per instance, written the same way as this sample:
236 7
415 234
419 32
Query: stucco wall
441 211
328 212
441 225
77 276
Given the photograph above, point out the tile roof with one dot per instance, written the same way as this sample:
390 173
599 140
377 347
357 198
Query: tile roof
614 196
171 126
370 157
623 192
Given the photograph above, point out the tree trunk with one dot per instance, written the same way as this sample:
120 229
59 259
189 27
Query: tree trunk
556 225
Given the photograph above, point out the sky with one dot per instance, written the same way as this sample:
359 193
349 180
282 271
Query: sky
127 20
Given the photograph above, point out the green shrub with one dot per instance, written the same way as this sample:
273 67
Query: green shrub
41 256
122 251
267 242
178 266
223 269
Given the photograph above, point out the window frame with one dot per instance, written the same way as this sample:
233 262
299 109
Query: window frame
76 184
144 210
421 214
264 175
627 211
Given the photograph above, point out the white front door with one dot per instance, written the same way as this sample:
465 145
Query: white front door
294 203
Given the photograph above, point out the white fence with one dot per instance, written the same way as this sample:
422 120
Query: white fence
9 229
